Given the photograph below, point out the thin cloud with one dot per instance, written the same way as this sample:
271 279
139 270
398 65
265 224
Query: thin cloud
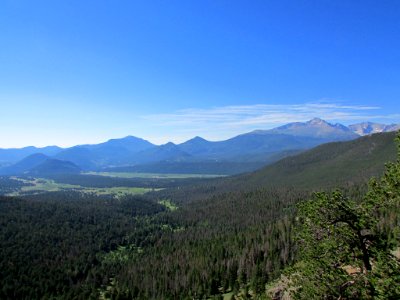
223 122
260 114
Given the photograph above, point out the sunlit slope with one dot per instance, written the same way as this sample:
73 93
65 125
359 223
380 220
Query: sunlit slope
330 164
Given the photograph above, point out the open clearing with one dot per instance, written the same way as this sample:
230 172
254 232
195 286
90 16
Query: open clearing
47 185
151 175
168 204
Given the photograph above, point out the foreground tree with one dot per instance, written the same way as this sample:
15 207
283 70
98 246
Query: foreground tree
348 249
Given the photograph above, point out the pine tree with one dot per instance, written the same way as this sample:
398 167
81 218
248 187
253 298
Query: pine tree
347 247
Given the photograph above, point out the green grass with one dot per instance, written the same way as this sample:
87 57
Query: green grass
168 204
43 185
48 185
151 175
227 296
121 254
119 191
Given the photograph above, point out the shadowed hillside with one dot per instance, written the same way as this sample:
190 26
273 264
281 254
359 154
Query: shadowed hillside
326 166
331 164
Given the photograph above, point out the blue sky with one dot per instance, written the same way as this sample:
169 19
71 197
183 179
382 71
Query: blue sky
75 72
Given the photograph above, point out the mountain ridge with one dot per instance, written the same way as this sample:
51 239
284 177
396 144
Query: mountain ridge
257 147
359 159
366 128
24 165
53 166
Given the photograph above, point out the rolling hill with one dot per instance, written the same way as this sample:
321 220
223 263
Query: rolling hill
39 164
332 163
54 167
24 165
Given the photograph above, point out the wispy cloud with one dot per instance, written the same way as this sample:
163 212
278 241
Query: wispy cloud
262 114
226 121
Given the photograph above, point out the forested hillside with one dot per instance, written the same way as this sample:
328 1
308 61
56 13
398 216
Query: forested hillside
214 238
199 150
332 164
348 247
54 244
325 167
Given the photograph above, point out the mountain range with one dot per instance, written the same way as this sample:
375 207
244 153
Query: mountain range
327 166
242 153
370 128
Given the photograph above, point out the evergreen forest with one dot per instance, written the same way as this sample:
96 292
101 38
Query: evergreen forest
305 227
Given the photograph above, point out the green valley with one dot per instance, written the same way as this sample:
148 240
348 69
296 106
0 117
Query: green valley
199 150
173 237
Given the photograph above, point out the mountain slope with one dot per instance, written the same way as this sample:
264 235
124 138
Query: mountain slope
366 128
112 152
55 166
256 149
183 167
255 143
326 166
330 164
166 152
197 146
315 128
119 151
80 156
130 143
24 165
13 155
293 136
242 153
249 151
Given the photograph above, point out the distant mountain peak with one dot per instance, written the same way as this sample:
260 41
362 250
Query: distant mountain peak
315 128
196 139
366 128
131 150
131 137
168 145
342 127
317 121
128 138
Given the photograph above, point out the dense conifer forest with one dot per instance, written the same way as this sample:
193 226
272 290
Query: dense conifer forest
199 150
229 238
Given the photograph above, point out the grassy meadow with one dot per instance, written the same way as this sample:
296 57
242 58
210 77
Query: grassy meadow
40 185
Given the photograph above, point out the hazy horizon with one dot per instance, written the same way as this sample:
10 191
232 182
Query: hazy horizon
175 142
85 72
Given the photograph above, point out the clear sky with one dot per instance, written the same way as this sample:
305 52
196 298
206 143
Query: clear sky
74 72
